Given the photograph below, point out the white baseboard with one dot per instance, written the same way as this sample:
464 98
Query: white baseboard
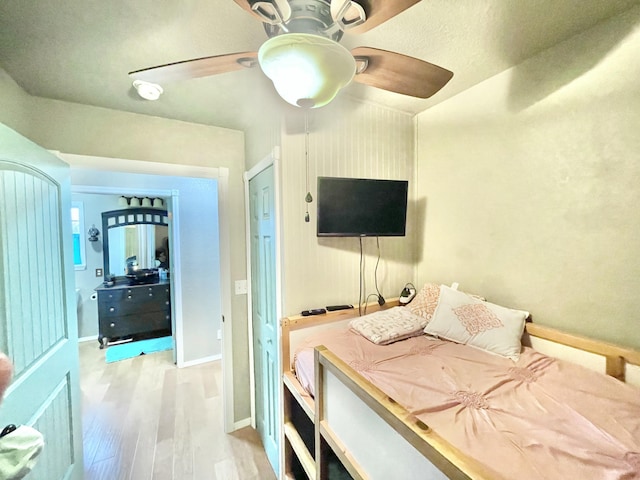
199 361
92 338
241 424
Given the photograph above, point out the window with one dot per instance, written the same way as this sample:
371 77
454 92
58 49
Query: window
77 228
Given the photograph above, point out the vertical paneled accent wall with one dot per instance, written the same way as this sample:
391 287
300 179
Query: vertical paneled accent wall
347 139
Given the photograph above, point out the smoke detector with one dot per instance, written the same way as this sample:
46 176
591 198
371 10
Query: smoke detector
148 90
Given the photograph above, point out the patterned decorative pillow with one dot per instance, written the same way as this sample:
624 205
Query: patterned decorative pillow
388 326
467 320
426 301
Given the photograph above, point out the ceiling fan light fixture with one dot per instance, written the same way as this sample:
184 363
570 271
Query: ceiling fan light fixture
147 90
307 70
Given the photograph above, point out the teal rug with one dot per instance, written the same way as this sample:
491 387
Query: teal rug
133 349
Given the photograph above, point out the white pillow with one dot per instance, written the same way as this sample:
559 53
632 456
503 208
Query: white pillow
467 320
388 326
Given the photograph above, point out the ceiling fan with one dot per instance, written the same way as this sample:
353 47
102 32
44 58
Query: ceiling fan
303 56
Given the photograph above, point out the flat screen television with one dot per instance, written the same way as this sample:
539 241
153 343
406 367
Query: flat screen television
360 207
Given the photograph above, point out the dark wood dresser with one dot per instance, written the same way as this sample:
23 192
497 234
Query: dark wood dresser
126 310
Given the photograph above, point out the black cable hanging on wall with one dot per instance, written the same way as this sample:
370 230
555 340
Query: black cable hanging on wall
362 302
362 286
381 300
308 198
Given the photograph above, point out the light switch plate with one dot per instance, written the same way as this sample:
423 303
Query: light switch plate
98 272
241 287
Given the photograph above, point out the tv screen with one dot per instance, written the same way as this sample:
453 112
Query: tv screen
359 207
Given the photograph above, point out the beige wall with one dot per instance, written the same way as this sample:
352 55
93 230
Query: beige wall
531 185
263 133
347 139
14 105
86 130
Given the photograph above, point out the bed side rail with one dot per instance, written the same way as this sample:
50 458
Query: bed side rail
617 357
448 459
292 391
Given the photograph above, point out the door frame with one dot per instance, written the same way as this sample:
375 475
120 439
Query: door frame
176 292
273 159
221 174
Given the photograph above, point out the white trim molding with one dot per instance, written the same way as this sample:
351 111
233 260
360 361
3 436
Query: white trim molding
200 361
225 285
246 422
270 160
90 338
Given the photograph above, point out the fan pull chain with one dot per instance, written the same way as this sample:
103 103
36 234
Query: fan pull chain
308 198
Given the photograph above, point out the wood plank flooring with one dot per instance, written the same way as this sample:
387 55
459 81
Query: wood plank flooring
145 419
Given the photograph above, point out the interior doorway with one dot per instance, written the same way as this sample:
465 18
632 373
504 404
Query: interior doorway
263 260
104 273
201 251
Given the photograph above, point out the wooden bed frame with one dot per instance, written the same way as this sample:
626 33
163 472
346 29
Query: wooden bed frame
407 440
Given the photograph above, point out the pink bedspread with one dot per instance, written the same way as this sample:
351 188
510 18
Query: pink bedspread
538 418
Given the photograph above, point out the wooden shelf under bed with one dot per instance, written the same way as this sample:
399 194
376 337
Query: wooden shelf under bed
292 389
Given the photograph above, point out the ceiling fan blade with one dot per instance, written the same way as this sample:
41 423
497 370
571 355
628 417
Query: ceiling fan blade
399 73
378 11
198 67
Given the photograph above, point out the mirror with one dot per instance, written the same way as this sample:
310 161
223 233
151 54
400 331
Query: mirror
142 246
137 240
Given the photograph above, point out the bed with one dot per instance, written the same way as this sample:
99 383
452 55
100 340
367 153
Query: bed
353 409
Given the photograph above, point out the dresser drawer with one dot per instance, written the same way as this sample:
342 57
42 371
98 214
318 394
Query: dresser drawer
129 301
134 292
134 324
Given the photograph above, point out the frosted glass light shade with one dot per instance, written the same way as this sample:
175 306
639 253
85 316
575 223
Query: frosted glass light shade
306 70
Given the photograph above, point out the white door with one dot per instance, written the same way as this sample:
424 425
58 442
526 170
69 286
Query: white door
38 326
263 310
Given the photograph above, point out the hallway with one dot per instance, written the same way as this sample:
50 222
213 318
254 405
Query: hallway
145 419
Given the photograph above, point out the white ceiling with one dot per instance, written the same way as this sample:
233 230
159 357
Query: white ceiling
81 50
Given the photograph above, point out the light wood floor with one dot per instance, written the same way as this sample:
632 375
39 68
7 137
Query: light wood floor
145 419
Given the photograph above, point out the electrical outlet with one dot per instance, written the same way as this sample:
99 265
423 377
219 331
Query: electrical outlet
98 272
219 334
